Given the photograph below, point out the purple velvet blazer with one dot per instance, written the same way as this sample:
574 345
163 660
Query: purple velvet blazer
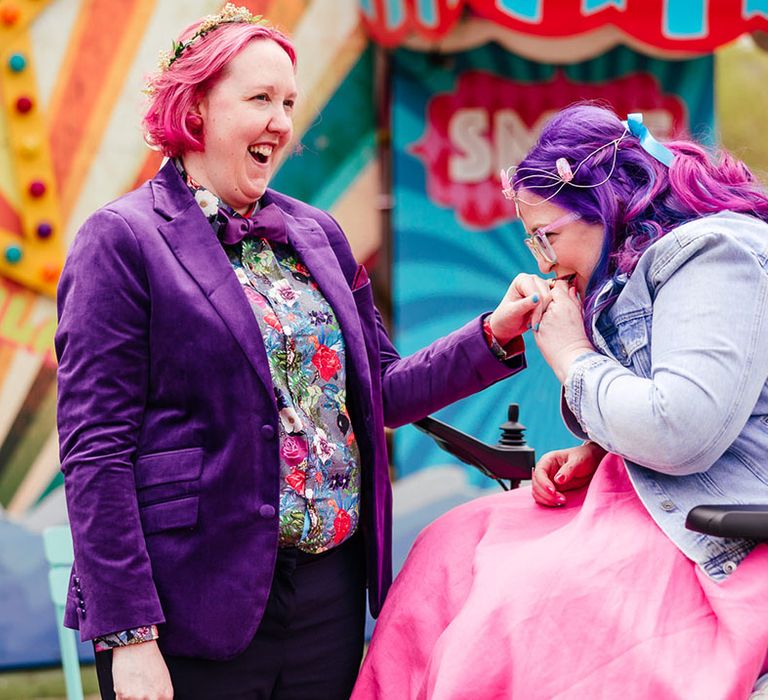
168 422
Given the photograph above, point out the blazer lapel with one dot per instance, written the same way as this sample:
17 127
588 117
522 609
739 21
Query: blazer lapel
191 238
310 242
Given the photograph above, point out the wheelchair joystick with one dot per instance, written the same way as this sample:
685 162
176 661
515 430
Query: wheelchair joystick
511 430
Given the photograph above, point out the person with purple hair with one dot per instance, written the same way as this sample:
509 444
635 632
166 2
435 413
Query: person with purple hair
224 381
588 584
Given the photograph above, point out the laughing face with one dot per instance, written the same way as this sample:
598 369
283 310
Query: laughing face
574 244
247 124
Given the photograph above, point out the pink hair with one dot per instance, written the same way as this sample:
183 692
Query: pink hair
169 123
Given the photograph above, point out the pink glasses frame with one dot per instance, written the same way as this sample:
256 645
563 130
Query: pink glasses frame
538 243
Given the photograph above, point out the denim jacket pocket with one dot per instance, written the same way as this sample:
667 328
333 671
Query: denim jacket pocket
631 342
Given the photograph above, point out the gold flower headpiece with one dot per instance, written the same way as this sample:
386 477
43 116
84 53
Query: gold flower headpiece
231 14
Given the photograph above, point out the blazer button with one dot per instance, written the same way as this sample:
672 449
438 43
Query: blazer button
267 431
267 511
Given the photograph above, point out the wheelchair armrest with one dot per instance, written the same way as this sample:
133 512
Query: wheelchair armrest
750 521
497 461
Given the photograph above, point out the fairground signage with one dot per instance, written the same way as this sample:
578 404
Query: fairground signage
490 122
696 26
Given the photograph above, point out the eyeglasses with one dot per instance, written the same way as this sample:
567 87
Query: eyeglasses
539 244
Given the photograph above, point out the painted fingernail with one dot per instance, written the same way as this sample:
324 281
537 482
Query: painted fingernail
550 489
560 500
560 478
535 298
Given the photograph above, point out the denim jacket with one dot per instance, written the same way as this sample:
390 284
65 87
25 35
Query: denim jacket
678 386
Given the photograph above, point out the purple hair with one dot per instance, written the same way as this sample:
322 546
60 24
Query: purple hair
642 199
168 122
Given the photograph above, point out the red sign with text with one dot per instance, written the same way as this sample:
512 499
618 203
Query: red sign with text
489 123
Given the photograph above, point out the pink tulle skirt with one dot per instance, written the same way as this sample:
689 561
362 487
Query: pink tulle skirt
502 598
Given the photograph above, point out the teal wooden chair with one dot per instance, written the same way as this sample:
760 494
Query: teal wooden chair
57 542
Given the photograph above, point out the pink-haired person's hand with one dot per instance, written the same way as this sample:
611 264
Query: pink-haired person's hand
522 306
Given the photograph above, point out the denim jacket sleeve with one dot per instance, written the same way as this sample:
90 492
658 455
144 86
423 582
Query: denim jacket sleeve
708 357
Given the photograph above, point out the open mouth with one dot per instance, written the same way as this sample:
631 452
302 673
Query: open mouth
261 153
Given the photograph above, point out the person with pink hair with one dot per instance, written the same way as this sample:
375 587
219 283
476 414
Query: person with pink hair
224 383
588 584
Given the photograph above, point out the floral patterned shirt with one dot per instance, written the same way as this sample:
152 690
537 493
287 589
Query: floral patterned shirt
319 457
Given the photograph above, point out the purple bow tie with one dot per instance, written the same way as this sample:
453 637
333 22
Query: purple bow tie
267 222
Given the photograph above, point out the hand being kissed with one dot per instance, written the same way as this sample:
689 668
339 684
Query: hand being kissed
561 337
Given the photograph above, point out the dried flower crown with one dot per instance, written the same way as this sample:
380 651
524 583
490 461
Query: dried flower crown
633 125
231 14
562 176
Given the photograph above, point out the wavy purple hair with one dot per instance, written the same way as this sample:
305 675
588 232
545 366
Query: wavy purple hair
176 91
642 199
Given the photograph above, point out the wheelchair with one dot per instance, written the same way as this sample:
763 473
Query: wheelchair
511 461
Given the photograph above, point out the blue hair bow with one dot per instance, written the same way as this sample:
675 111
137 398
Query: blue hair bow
634 124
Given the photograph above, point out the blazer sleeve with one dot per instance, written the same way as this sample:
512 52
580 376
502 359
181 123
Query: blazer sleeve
451 368
102 344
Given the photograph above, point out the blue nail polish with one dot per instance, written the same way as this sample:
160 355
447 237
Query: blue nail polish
536 327
535 298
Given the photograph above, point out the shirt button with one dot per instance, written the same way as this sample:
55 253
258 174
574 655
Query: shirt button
309 493
267 511
729 567
267 431
667 505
